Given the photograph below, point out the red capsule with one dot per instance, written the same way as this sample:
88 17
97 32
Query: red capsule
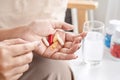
50 38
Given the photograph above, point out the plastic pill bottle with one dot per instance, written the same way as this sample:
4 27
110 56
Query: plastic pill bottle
115 44
110 29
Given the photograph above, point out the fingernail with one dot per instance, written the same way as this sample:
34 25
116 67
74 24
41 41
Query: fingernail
79 46
76 56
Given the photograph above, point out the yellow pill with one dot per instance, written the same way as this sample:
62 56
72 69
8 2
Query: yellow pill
55 38
54 45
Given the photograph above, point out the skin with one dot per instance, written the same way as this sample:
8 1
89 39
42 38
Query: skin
42 28
15 56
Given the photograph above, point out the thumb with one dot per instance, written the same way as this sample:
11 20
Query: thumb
64 26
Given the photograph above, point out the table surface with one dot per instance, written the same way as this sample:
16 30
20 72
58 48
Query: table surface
109 69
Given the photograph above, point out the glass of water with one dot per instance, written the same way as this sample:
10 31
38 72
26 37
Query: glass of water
93 43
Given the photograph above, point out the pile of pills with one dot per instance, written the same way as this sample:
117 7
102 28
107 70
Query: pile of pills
53 40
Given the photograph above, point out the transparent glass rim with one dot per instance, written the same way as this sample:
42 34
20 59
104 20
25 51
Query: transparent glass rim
95 21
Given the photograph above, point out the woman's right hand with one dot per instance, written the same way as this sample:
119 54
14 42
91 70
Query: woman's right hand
15 56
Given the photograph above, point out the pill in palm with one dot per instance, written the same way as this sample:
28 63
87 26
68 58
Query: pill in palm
45 41
55 38
50 38
54 45
60 40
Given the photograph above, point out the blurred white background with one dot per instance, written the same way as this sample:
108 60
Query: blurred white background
107 10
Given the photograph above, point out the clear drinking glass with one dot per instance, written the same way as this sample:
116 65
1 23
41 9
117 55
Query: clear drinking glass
93 43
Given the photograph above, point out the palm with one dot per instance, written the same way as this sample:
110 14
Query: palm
41 29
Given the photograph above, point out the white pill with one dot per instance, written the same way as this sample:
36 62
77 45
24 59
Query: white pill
45 41
60 40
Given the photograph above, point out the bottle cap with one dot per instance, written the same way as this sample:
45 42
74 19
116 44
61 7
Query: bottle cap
118 31
112 26
114 22
117 34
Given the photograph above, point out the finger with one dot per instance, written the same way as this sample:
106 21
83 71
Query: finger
62 56
64 50
20 69
52 49
77 40
83 34
72 50
21 49
69 36
17 76
41 48
68 44
22 60
63 25
14 41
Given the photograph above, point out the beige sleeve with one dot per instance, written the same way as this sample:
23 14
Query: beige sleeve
22 12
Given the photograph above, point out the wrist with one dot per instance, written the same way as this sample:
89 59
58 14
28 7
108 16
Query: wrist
18 32
9 33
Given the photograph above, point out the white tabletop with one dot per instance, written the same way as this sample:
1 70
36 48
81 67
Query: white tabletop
109 69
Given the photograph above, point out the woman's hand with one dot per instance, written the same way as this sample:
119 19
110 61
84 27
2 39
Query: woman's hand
66 51
15 56
42 28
